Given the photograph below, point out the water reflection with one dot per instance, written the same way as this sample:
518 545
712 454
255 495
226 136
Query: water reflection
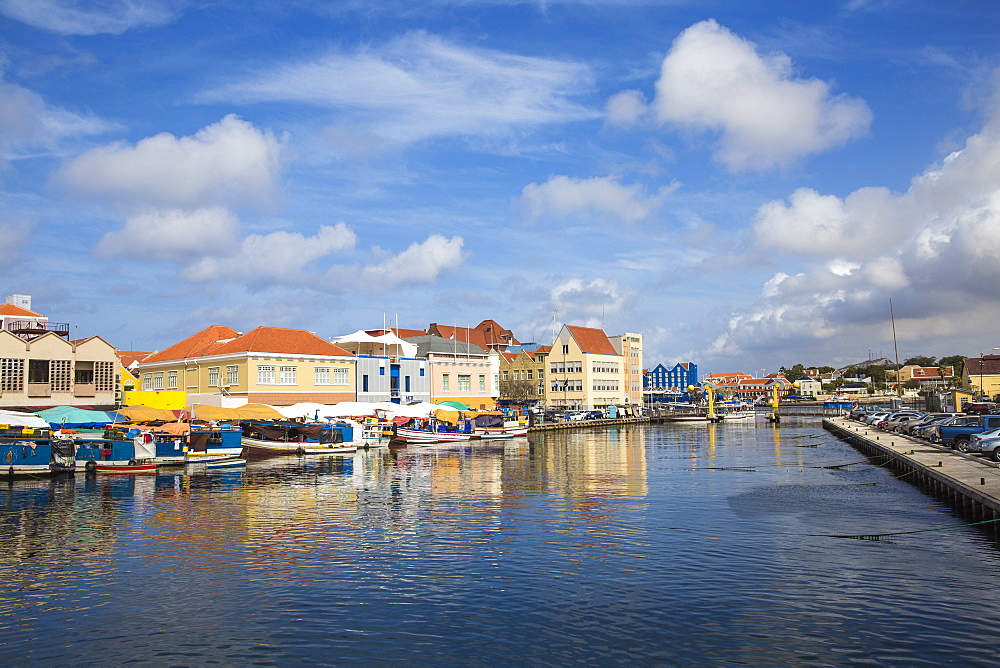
686 544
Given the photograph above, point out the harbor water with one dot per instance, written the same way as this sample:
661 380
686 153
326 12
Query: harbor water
650 544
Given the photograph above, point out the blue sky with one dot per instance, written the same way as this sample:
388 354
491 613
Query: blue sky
746 184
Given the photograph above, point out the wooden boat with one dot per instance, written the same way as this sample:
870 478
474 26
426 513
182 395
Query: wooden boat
407 435
273 438
212 443
498 424
376 433
499 437
122 450
28 446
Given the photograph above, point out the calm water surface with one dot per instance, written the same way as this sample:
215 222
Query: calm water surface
649 545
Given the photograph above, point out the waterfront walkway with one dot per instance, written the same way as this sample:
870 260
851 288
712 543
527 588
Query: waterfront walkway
970 483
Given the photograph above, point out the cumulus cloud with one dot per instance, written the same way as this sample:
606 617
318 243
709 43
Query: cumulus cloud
276 257
602 196
27 122
421 262
626 108
934 249
173 234
421 86
229 163
587 303
90 17
712 80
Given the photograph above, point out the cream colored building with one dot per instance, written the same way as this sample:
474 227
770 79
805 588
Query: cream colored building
585 370
267 365
47 370
629 346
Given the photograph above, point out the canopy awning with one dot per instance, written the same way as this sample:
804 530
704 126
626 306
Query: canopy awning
147 414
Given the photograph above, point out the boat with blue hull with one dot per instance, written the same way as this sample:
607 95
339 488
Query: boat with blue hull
122 450
28 446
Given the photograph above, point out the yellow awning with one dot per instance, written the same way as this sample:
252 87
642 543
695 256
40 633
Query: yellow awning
147 414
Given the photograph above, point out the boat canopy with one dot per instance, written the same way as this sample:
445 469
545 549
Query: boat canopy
147 414
72 417
245 412
15 419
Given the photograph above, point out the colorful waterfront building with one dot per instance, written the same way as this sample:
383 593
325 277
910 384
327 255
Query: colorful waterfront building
669 383
268 365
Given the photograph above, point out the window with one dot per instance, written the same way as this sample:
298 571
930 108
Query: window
286 375
517 375
421 373
265 374
505 375
62 375
213 376
232 374
158 380
530 374
482 382
445 383
321 375
407 384
381 371
364 383
340 376
38 371
464 382
566 349
172 380
12 374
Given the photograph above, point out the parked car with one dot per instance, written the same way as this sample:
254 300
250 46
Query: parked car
871 417
959 432
988 443
896 419
980 407
574 415
917 428
593 415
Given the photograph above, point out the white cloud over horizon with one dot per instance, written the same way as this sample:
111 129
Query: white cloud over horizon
934 250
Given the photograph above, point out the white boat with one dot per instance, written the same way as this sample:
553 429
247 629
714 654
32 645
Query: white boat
263 438
231 462
408 435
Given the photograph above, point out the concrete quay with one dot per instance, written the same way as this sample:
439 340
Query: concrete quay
585 424
969 484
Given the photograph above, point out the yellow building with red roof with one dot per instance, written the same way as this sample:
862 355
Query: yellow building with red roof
585 370
267 365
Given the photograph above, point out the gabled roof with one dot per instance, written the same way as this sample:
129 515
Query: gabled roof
486 334
127 357
990 365
11 309
540 350
222 340
592 340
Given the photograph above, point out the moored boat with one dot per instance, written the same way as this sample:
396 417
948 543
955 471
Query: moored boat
228 463
262 438
122 450
29 447
212 443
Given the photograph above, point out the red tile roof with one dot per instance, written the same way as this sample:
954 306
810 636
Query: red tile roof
129 356
11 309
592 340
486 334
222 340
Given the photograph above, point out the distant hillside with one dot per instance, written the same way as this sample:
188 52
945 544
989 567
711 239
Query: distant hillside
881 361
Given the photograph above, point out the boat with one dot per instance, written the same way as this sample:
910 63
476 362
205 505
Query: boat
734 411
122 450
498 424
212 443
28 446
375 433
273 438
228 463
498 437
432 430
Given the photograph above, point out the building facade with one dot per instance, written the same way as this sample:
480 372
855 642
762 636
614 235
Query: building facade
388 368
522 378
669 383
585 371
629 346
47 370
460 371
267 365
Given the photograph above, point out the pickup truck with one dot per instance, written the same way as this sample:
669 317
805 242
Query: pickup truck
959 431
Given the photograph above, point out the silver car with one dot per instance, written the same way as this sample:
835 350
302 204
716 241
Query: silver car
987 442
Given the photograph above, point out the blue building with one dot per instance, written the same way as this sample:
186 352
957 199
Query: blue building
664 383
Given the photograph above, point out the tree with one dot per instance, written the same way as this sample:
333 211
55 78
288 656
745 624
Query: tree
954 361
519 391
920 360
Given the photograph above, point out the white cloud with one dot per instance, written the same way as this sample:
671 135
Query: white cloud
229 163
90 17
173 234
713 80
278 257
626 108
421 262
935 250
863 225
587 303
27 122
421 86
564 196
13 239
